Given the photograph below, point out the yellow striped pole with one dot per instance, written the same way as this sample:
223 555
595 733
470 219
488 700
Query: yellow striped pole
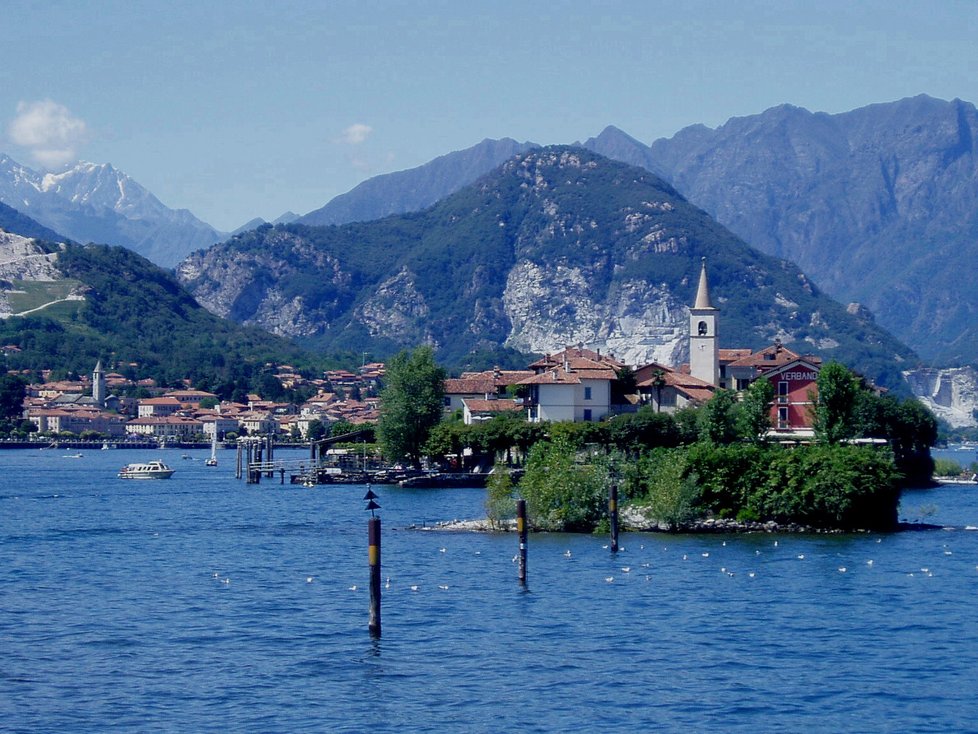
613 515
521 529
373 538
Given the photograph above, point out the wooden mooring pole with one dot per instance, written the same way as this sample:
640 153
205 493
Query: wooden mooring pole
613 515
373 539
521 529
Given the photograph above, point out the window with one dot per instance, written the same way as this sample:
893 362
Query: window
701 328
587 414
587 393
448 401
782 391
783 417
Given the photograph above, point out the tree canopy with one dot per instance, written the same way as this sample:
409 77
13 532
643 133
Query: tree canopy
411 404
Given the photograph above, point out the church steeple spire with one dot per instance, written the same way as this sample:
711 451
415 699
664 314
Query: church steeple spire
703 291
98 385
704 355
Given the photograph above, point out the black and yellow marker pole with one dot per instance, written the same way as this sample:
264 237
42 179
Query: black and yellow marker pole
373 538
521 530
373 554
613 515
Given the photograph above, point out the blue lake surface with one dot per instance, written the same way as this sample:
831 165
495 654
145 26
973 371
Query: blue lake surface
203 604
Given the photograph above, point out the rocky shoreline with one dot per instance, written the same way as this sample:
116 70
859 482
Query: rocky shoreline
644 525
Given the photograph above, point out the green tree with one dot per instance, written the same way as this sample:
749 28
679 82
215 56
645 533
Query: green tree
12 392
754 418
316 430
410 404
718 418
500 503
560 492
341 427
835 404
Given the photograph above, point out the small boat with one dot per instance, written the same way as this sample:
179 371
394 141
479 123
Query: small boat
154 469
212 461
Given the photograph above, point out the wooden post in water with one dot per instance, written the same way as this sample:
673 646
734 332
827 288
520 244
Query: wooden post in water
237 465
269 456
249 458
521 530
373 539
613 515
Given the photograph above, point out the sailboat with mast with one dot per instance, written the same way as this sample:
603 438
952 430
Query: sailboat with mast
212 461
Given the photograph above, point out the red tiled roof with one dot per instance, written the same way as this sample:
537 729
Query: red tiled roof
480 405
469 385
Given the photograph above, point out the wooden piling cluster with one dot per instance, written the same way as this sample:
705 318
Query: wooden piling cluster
257 454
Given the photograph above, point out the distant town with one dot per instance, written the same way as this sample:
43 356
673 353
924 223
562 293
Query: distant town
98 406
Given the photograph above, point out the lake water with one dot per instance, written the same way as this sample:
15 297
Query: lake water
203 604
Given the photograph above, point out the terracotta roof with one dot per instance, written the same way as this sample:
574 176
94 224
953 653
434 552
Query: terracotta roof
731 355
574 353
772 356
466 385
159 401
480 405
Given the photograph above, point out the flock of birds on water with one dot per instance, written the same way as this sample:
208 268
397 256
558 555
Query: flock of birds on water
645 569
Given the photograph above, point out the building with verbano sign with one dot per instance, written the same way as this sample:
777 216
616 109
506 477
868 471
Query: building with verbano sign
794 391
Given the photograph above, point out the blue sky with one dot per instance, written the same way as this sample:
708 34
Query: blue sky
242 109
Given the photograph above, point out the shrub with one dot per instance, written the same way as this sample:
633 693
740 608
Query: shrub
560 492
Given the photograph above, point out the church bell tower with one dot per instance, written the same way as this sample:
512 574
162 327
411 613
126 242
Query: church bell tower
704 356
98 385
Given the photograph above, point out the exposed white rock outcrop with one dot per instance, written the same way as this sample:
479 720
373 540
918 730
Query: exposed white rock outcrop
951 393
396 308
22 260
551 307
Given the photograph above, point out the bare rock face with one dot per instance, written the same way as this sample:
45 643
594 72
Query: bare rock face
951 393
551 307
396 309
21 259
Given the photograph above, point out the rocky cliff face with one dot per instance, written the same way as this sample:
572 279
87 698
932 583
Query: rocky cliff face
951 393
21 260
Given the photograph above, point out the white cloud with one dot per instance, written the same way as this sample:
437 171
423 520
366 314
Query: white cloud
356 133
49 131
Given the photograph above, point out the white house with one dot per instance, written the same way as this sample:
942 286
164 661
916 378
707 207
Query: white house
573 385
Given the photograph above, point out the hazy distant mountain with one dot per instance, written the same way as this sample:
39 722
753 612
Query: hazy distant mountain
878 205
415 188
557 246
619 146
98 203
14 222
255 223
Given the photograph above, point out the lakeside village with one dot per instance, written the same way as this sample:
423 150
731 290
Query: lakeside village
644 410
577 385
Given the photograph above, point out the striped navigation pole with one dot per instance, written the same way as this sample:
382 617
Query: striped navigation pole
613 515
521 529
373 540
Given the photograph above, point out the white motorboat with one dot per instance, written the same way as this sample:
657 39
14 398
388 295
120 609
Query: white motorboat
154 469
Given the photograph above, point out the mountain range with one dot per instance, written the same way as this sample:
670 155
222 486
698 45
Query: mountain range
97 203
556 246
879 206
